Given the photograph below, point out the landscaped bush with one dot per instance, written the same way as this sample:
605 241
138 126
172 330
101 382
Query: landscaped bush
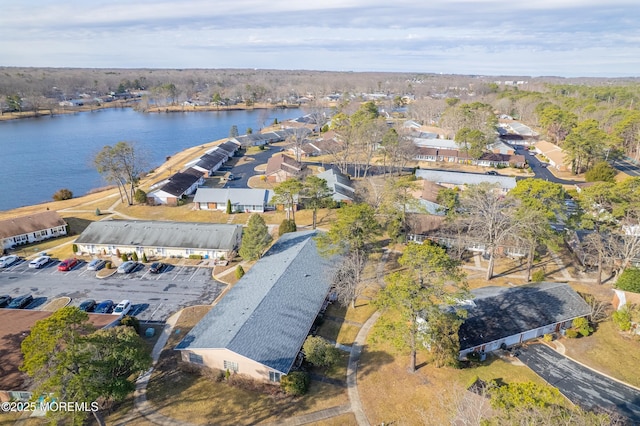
118 253
537 276
124 257
144 258
622 318
98 212
548 338
581 325
131 321
629 280
571 333
108 265
134 256
295 383
74 248
239 271
195 256
287 225
140 196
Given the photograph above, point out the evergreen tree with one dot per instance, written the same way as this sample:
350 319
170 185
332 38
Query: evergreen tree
229 211
233 132
255 238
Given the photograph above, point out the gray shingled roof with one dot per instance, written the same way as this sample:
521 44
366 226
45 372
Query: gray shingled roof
267 315
211 236
243 196
499 312
458 178
179 183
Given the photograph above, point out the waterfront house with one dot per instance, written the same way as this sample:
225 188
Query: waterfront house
31 228
177 187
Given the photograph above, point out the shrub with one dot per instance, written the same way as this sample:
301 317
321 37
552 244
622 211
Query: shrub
629 280
118 253
74 248
131 321
581 325
548 338
140 196
320 352
134 256
295 383
62 194
622 318
144 257
601 172
108 265
195 256
239 271
261 147
537 276
98 212
571 333
287 225
229 210
124 257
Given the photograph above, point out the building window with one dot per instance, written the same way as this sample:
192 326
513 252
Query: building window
231 366
274 376
195 358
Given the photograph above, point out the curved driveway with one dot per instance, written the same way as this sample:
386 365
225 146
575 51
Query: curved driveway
582 385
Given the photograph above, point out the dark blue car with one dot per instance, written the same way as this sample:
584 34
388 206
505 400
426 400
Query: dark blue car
104 307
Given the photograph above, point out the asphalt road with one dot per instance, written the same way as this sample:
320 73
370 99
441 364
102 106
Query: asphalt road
627 166
581 385
154 296
244 171
540 170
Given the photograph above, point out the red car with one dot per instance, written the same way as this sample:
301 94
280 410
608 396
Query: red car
67 264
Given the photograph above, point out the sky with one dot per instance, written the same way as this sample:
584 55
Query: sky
569 38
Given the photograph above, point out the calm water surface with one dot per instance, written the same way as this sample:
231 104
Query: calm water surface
41 155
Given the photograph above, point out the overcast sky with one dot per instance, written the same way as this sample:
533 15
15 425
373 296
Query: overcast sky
518 37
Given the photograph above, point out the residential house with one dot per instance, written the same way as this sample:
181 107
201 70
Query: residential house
31 228
461 180
500 317
208 163
282 167
158 238
555 155
516 133
15 325
242 199
429 198
339 184
177 187
444 150
258 328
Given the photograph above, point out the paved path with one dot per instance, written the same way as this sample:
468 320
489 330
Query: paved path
316 416
581 384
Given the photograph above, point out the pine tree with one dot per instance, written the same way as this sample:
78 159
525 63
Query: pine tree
229 211
255 238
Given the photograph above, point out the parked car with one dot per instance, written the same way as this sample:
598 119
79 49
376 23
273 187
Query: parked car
6 261
5 300
67 264
492 173
104 307
123 308
96 265
157 267
20 302
87 305
39 262
127 267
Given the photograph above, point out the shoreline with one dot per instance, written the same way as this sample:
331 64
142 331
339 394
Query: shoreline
56 111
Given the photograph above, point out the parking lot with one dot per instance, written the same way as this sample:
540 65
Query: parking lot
154 296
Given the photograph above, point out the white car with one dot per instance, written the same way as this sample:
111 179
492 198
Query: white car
39 262
123 308
6 261
127 267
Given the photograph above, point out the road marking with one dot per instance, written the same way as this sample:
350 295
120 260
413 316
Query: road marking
156 310
144 275
194 273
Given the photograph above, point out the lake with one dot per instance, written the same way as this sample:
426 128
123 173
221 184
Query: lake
39 156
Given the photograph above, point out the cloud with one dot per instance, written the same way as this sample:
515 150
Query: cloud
488 35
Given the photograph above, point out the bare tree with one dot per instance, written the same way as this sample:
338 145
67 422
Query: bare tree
489 218
347 278
297 138
121 164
